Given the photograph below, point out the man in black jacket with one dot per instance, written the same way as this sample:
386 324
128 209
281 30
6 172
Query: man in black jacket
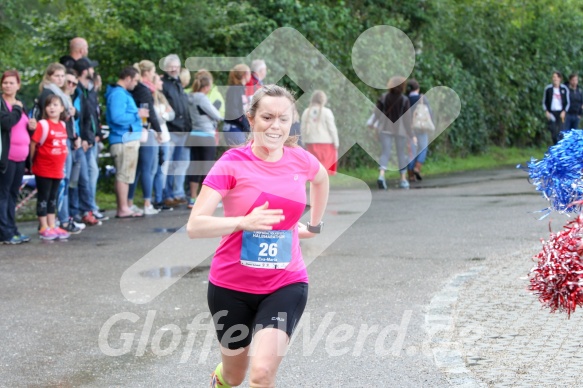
576 103
85 99
556 104
179 131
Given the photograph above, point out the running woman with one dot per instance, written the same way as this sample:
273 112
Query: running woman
258 283
48 153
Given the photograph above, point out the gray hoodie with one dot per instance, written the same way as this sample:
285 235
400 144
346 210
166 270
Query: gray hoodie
203 115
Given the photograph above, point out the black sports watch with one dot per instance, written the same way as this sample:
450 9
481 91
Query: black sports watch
316 228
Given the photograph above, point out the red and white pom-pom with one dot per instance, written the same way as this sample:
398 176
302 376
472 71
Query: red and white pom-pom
557 279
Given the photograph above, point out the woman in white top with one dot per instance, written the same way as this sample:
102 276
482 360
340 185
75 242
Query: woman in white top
164 113
319 132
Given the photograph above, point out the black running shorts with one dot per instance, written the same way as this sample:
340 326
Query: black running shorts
237 315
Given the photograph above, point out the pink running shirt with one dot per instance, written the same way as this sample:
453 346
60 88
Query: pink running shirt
245 182
19 139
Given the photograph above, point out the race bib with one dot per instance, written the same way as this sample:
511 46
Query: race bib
269 249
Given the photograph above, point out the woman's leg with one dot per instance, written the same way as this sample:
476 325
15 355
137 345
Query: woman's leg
52 202
43 187
401 143
6 182
386 145
13 195
63 204
147 159
267 351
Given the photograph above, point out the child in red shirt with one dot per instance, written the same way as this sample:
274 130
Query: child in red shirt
48 152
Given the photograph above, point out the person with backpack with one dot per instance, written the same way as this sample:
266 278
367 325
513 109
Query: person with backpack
48 153
394 123
14 150
319 132
422 124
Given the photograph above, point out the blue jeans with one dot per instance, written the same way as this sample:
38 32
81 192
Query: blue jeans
63 198
160 176
180 157
387 141
147 162
93 171
10 182
421 149
80 196
571 122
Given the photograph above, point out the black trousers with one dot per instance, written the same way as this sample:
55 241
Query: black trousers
46 197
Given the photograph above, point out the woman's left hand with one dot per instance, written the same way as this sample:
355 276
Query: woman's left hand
32 124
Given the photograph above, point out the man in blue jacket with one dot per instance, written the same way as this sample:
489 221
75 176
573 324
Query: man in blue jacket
125 125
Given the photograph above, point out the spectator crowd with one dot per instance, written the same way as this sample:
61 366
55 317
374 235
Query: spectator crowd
163 134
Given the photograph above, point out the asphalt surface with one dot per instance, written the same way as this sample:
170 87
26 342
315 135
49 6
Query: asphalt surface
389 269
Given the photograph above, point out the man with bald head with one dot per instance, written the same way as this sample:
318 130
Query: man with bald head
78 48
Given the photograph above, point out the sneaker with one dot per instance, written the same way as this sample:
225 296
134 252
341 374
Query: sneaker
71 228
89 220
15 240
191 202
136 209
150 211
61 233
79 225
404 184
24 238
382 183
47 234
100 216
78 219
162 206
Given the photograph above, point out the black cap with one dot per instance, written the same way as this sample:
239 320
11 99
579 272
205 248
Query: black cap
83 64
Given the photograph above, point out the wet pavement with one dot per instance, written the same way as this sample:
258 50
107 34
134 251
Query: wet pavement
425 287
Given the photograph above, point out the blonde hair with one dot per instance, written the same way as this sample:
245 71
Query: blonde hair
237 73
159 97
184 76
51 69
273 91
144 66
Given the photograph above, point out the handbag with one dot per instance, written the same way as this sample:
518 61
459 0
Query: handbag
422 117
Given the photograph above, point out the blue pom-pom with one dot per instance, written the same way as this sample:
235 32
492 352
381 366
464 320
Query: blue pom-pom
559 175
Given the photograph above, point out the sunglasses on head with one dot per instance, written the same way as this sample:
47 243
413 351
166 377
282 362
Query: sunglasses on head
72 83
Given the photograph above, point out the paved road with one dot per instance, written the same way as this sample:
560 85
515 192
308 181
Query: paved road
424 287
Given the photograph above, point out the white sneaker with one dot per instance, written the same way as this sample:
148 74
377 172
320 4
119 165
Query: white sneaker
136 209
149 210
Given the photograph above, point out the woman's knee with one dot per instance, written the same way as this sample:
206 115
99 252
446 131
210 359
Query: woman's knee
262 376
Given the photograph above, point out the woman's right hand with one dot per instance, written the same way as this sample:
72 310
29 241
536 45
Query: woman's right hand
548 115
261 218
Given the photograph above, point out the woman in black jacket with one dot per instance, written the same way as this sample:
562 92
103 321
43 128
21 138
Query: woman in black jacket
14 151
